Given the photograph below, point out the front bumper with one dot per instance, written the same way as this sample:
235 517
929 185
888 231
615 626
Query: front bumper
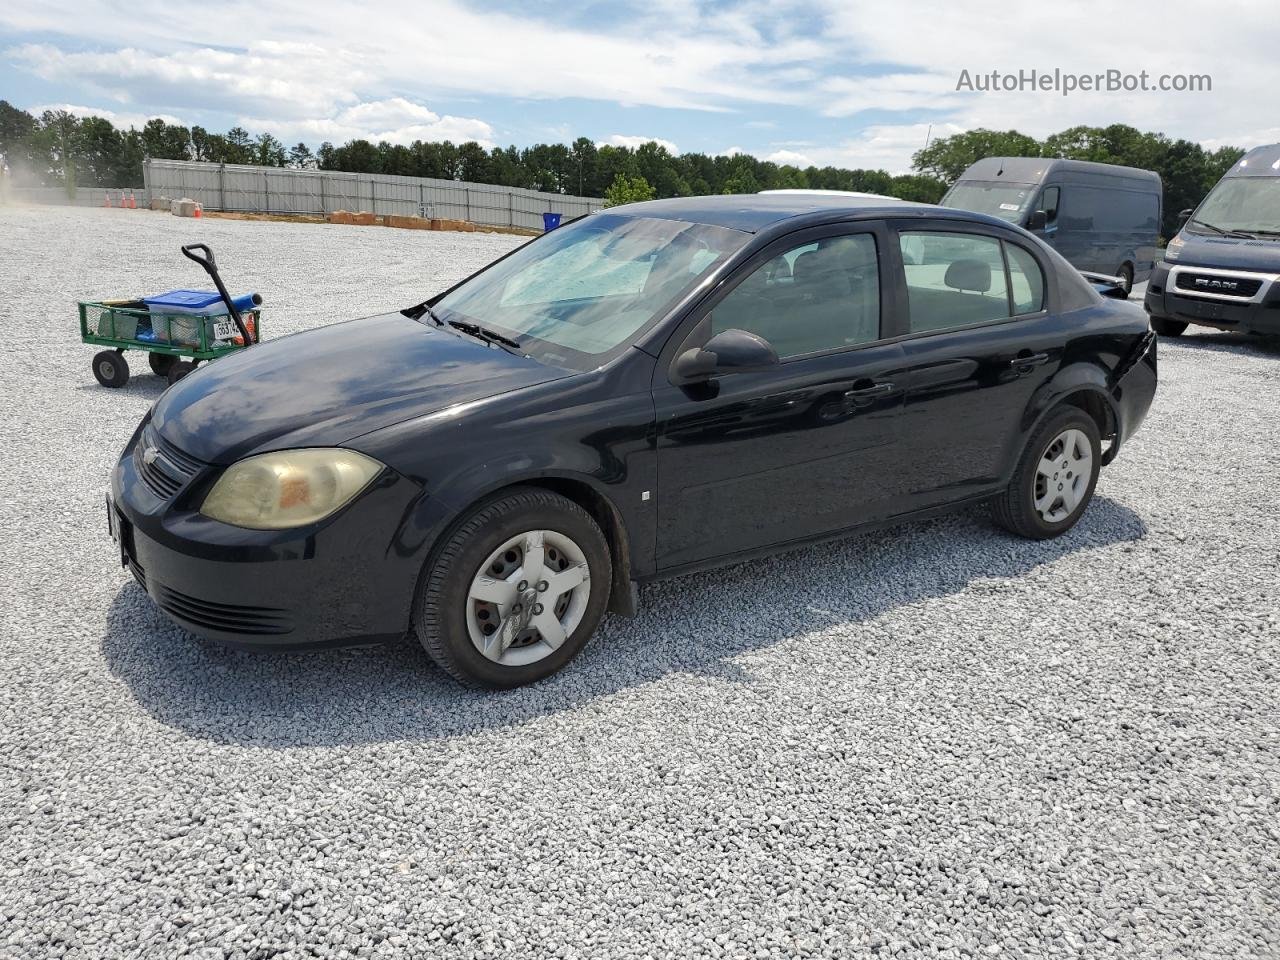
348 579
1134 389
1242 300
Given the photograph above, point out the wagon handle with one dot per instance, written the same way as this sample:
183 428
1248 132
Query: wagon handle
211 267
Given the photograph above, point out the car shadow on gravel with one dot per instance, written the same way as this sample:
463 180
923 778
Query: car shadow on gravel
692 624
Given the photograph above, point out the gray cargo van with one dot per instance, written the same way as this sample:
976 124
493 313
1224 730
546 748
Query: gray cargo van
1222 270
1099 216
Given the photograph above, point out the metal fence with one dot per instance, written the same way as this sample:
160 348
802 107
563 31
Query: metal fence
249 189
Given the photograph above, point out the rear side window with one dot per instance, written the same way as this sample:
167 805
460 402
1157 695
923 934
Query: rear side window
814 298
959 279
1026 280
953 280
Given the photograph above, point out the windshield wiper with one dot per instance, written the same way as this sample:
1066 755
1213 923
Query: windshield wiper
1226 233
485 334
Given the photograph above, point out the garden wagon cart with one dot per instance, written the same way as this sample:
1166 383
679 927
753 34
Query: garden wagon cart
177 330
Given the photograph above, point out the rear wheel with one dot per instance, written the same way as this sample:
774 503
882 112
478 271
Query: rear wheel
161 363
179 369
1168 328
1055 478
516 591
110 368
1125 276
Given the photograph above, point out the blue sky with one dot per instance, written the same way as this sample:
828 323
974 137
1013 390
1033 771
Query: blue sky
846 82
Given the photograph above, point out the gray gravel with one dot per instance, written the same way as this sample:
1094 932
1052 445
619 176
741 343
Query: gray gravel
935 740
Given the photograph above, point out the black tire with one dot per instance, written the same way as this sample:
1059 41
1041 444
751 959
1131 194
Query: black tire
1168 328
161 363
111 368
440 611
1125 274
179 369
1015 508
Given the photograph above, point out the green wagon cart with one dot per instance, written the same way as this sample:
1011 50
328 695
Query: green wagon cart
178 331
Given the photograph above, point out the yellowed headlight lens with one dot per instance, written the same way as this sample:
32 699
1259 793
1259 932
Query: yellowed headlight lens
290 488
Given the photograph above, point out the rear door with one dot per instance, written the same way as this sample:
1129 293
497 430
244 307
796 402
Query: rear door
978 344
810 446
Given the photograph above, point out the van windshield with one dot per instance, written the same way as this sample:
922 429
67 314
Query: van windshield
1245 204
579 295
1008 201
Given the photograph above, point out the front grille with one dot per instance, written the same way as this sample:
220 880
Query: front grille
161 466
1220 286
224 617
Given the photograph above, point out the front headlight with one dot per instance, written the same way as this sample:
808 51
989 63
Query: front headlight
291 488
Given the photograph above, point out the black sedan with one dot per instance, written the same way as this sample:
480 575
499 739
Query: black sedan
645 391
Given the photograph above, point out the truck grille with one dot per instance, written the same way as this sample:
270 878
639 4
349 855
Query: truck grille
161 466
1216 285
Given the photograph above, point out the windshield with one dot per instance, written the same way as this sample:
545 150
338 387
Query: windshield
579 295
1008 201
1248 204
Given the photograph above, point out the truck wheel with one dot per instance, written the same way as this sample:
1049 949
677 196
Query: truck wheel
1126 278
516 591
161 363
1168 328
110 368
1054 480
179 369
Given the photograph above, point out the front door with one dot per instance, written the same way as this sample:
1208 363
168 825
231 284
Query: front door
809 446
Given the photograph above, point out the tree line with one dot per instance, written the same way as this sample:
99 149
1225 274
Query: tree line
57 148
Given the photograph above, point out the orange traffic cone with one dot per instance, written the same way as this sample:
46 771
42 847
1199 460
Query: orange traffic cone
133 203
106 199
198 213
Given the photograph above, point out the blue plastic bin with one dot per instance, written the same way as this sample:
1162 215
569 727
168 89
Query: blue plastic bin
550 221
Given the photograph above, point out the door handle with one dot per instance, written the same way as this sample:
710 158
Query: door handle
869 393
1029 360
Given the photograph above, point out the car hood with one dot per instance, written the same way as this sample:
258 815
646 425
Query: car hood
327 386
1232 253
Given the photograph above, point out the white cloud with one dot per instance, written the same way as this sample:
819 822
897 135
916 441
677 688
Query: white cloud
395 120
866 60
619 140
120 119
731 151
790 157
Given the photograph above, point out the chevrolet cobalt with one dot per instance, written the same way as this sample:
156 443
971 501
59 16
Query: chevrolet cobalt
645 391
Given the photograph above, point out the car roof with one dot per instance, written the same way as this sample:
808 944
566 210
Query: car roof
1261 161
753 212
1034 169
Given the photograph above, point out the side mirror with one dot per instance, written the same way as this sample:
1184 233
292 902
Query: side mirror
1038 220
1185 215
730 351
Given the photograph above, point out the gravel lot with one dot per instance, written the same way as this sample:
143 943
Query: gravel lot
935 740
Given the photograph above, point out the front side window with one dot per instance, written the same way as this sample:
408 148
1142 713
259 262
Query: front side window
583 292
814 298
953 280
1049 204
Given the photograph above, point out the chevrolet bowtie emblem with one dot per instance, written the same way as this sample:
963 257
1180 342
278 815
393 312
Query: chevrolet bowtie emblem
149 455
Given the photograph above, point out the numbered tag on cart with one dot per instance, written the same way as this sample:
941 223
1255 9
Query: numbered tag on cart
224 328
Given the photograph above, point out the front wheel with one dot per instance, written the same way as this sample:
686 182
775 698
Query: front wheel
1055 478
516 591
1168 328
110 368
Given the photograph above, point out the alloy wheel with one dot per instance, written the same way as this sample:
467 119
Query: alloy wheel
528 597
